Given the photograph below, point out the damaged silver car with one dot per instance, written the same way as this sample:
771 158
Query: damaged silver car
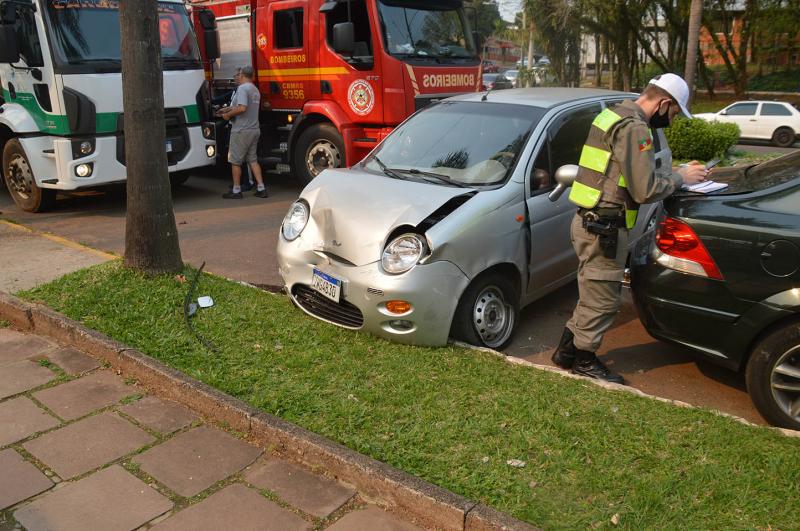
446 229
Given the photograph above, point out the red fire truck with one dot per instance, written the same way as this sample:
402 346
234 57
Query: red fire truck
336 76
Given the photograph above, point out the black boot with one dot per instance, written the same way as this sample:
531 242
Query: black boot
587 364
564 356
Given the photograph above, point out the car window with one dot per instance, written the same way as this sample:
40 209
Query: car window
563 145
774 109
468 143
742 109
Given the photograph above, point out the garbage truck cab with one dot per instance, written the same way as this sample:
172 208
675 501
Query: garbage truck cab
61 119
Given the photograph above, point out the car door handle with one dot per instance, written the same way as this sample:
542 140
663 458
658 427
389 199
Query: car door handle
753 120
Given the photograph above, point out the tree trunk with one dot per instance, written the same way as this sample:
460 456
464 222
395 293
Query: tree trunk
151 238
692 45
598 61
531 79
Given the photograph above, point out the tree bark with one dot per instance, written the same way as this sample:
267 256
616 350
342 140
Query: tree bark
692 45
151 237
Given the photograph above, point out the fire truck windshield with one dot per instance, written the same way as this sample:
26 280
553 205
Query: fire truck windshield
85 36
426 30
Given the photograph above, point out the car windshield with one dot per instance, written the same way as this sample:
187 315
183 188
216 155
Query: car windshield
87 33
426 30
457 143
774 172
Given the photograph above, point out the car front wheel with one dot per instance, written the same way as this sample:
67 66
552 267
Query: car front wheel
773 376
320 147
487 313
783 137
21 183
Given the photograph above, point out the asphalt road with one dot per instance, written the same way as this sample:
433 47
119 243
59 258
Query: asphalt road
237 239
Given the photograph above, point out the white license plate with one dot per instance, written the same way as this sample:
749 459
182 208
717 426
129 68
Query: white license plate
168 146
329 286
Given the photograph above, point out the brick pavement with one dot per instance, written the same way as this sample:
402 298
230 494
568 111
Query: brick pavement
82 449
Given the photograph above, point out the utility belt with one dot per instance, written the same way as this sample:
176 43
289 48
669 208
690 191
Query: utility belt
606 222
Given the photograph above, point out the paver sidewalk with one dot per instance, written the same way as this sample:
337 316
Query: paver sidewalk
82 449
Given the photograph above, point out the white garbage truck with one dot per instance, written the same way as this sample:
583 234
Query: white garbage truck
61 119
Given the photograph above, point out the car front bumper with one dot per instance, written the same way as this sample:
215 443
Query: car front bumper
54 167
432 289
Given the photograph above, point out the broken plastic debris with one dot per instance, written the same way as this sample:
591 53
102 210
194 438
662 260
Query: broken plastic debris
516 463
485 459
205 301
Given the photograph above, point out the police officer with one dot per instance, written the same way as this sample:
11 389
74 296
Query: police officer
616 174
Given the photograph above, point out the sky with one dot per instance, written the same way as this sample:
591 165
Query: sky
508 8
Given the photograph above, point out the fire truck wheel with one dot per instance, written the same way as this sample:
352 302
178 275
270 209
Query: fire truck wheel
318 148
19 180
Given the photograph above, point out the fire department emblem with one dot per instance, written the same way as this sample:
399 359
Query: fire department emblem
261 41
361 97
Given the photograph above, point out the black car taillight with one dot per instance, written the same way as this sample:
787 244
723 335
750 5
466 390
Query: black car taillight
681 250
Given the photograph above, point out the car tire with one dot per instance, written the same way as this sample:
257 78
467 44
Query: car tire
178 178
490 294
784 137
20 181
773 376
319 147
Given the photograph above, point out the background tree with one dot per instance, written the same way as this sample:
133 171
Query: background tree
151 237
692 44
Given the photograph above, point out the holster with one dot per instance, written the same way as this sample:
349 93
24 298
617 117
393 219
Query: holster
606 224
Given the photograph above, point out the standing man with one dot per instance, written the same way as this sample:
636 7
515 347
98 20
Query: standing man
245 132
616 174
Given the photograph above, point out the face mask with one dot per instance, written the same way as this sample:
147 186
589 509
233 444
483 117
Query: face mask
659 121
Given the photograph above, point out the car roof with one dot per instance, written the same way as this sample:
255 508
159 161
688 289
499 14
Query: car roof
760 101
541 96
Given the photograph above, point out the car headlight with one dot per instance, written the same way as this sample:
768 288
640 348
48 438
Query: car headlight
295 221
403 253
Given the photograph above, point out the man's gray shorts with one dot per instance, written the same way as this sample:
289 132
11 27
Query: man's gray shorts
243 146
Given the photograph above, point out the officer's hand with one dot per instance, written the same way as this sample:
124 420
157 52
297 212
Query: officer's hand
693 173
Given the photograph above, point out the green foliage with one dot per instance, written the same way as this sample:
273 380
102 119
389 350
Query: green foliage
778 82
700 140
455 416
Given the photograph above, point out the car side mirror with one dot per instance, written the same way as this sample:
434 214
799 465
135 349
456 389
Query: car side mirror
9 53
211 38
565 176
723 112
344 40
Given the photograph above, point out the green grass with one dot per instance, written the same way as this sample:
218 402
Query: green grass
454 416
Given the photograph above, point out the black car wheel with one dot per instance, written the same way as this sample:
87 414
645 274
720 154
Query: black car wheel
783 137
318 148
178 178
20 181
487 313
773 376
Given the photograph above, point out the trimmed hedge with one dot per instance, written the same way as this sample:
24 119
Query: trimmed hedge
700 140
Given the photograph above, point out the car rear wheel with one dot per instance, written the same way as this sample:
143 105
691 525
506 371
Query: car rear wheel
487 313
783 137
20 182
773 376
318 148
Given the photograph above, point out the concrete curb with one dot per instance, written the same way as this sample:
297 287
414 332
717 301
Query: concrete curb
428 505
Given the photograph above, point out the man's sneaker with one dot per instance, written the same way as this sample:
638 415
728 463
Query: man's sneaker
587 364
262 193
564 355
232 195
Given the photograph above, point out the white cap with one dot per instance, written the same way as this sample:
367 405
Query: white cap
676 87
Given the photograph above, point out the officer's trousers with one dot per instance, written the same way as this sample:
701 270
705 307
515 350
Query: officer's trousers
599 286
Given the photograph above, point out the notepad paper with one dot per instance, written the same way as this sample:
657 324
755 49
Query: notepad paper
705 187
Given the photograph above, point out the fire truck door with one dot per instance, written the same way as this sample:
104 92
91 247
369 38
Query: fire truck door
353 79
286 66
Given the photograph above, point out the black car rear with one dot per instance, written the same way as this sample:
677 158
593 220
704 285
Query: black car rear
721 275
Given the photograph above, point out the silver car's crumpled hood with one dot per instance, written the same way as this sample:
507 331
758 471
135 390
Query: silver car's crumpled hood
353 211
